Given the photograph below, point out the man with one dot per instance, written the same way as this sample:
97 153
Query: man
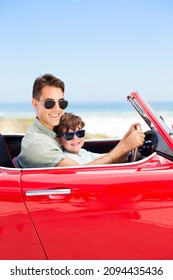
39 146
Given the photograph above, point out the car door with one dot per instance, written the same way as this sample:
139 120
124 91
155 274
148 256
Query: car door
101 212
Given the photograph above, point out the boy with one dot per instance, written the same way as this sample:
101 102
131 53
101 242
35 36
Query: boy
71 135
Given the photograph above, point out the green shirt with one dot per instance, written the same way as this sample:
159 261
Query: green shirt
39 147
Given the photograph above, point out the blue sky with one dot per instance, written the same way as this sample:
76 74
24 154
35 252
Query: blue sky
102 50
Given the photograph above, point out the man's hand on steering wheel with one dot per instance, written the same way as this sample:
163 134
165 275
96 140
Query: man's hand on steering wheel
134 138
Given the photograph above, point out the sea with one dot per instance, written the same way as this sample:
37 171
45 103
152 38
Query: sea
102 118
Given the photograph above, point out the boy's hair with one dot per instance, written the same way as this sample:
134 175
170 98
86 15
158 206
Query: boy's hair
46 80
68 121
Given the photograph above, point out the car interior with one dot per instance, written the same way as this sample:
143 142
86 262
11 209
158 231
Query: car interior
10 146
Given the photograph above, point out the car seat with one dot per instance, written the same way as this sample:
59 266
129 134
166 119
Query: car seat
5 156
15 162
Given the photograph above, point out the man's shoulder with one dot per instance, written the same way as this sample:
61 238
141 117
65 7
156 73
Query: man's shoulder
34 135
36 140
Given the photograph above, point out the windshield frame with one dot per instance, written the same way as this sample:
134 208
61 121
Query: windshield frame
152 118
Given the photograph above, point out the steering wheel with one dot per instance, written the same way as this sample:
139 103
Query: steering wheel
148 148
150 143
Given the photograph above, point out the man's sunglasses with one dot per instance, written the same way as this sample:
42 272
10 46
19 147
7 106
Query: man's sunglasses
50 103
70 135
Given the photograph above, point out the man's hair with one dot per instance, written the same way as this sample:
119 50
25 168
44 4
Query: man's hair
46 80
68 121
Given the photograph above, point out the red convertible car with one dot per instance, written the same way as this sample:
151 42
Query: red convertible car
106 212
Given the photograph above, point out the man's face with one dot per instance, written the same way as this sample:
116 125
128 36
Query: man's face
49 117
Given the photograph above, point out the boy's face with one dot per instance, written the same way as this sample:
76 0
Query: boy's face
49 117
74 145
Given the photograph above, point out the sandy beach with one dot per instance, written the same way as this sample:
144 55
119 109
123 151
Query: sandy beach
20 125
14 125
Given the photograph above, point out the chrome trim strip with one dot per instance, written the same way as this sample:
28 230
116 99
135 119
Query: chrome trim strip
48 192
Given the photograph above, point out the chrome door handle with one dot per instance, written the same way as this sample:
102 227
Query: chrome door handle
48 192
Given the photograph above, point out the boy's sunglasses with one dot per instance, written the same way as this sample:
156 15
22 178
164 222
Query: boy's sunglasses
70 135
50 103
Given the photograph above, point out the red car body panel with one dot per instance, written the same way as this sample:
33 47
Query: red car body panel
118 211
130 218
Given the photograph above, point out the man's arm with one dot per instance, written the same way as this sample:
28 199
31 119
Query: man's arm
118 153
133 139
